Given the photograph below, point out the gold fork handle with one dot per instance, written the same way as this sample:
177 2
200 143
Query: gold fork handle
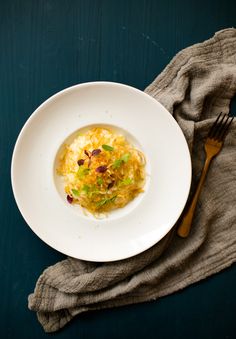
186 221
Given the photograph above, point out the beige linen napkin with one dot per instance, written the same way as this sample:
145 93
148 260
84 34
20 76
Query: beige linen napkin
196 86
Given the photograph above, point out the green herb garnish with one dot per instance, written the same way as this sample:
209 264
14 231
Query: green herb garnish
107 148
92 190
125 157
75 192
99 181
85 189
86 171
105 201
126 181
118 162
82 171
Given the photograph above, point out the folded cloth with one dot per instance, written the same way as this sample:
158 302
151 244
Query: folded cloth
197 85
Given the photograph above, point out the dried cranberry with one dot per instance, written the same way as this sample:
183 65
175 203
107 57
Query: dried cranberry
69 199
80 162
101 169
87 153
96 151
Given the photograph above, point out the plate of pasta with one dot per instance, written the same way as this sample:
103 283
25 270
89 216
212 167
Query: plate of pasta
101 171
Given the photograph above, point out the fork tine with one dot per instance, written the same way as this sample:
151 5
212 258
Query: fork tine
217 128
226 128
211 132
221 127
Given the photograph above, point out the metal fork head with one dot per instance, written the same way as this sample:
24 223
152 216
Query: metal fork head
220 127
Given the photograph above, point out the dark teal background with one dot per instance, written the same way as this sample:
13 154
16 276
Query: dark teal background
46 46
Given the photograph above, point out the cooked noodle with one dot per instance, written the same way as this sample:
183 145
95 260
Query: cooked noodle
102 171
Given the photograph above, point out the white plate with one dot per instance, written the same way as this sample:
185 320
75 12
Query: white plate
127 231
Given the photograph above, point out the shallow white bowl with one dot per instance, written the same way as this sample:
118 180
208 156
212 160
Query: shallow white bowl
39 192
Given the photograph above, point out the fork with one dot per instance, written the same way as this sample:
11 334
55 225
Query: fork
213 145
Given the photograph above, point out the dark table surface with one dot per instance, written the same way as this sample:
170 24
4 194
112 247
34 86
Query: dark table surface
47 45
